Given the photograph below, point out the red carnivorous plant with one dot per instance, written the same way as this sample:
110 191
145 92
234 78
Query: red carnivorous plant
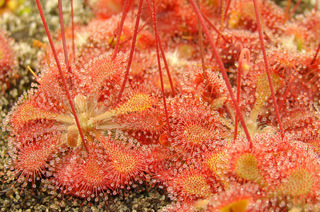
104 117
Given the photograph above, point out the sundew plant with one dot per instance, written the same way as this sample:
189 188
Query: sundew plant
215 101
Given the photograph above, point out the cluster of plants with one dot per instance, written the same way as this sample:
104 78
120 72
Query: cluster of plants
215 101
8 62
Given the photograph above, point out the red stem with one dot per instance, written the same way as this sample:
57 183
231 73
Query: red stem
244 52
267 68
223 71
200 36
63 34
223 17
134 39
158 46
72 25
60 72
287 11
315 55
165 62
214 28
227 8
221 20
294 8
123 17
